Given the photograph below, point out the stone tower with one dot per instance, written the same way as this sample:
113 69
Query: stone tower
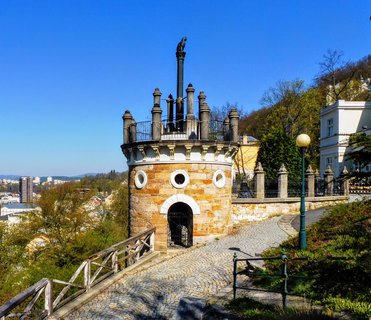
180 168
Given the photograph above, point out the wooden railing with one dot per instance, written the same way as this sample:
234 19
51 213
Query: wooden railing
33 304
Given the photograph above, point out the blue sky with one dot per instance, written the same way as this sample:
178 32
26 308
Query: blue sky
69 69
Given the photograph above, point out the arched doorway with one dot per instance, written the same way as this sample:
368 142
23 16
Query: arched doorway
180 225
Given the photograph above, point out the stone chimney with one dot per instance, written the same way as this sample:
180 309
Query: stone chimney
156 122
226 129
191 120
204 112
157 97
233 120
128 119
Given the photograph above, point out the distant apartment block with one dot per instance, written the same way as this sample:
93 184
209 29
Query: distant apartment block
36 180
26 189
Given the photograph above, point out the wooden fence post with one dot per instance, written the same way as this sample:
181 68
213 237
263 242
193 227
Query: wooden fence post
114 262
152 241
49 297
87 275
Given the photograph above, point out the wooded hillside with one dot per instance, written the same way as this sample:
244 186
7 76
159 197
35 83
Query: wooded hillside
293 107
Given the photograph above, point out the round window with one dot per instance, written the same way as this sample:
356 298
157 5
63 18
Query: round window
140 179
179 179
219 179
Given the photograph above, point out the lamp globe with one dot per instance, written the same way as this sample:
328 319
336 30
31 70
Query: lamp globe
302 140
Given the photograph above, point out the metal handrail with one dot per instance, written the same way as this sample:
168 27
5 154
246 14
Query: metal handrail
284 273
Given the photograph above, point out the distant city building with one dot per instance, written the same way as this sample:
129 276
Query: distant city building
7 197
57 181
338 121
12 208
8 181
49 179
12 212
36 180
26 189
245 160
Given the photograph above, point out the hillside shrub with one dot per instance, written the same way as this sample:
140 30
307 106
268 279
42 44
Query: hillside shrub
337 271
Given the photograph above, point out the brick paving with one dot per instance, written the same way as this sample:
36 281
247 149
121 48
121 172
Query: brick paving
201 272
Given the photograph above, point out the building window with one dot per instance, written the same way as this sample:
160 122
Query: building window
330 127
329 162
140 179
219 179
179 179
356 166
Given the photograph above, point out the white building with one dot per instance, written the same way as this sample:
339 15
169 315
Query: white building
338 122
12 208
12 212
7 197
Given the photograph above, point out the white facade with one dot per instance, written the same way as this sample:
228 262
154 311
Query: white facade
338 122
8 198
14 208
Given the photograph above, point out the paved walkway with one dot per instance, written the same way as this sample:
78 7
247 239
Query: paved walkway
198 272
311 217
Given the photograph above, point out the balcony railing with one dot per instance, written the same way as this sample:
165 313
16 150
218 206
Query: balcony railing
176 130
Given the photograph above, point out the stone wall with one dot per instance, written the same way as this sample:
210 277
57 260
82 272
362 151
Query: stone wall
260 209
211 205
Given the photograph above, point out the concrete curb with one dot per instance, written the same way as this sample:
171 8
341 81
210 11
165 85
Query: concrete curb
285 224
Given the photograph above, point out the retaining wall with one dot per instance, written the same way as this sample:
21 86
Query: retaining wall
252 209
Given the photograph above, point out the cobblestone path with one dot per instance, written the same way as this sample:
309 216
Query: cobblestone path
199 272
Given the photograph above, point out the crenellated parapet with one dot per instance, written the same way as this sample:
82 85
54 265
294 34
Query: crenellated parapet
191 127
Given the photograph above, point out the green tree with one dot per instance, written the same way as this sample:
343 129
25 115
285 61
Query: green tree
70 230
62 219
120 208
292 109
276 148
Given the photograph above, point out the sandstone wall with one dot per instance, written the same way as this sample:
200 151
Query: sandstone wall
214 203
256 209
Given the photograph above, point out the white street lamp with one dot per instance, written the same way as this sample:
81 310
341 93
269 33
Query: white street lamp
302 141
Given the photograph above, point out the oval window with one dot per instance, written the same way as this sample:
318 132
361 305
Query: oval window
219 179
140 179
179 179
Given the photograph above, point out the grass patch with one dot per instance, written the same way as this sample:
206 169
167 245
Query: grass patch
338 284
254 310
